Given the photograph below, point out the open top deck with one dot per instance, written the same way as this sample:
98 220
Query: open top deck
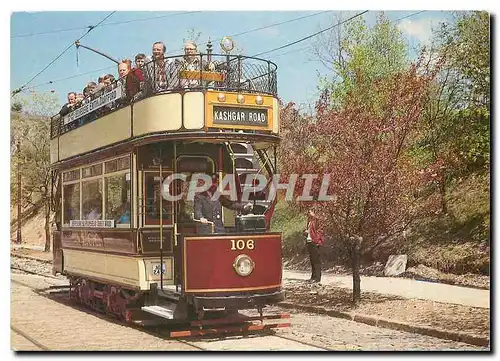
217 98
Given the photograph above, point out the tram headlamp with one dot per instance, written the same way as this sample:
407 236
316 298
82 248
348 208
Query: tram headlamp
259 100
227 44
243 265
240 98
221 97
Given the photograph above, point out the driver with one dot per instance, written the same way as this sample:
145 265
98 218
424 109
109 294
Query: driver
208 210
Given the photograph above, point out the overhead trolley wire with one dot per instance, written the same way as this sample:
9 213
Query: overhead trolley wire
270 25
281 23
309 46
71 77
185 13
312 35
14 92
107 24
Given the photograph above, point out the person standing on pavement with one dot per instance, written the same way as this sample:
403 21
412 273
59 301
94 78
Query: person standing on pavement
314 239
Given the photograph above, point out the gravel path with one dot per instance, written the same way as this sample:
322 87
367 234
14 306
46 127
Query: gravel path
405 287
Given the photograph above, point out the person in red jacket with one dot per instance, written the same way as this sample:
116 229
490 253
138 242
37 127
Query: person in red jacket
314 240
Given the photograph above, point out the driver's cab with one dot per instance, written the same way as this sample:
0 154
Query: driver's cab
193 158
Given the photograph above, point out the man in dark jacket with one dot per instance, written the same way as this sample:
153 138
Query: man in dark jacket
69 106
207 210
313 241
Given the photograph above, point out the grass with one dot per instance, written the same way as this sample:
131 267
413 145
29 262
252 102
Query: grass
291 223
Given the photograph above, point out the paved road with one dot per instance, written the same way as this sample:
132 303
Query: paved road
405 287
40 319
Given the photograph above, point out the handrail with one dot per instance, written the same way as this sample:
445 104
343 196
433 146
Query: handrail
174 74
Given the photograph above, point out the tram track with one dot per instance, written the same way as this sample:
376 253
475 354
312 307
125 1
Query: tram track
29 338
162 331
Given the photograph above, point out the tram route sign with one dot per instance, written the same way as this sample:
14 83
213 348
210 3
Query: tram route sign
97 103
94 223
240 116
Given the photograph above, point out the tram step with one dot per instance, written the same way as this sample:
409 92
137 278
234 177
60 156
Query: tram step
162 311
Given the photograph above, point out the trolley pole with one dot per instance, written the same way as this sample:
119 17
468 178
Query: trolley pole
19 215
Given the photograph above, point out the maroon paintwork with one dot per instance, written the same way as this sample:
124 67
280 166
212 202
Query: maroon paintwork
110 241
208 263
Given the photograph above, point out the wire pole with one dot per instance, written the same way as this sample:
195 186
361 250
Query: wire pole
19 238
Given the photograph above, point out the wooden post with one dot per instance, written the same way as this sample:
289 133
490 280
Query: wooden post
19 215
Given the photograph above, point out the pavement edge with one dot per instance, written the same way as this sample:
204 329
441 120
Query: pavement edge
394 325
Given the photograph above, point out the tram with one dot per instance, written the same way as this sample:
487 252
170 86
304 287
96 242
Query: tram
130 251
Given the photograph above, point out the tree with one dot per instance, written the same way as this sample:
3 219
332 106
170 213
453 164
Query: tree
454 137
360 136
31 129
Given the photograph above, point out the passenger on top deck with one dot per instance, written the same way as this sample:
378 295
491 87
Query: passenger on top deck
191 62
98 90
87 91
158 73
131 85
109 82
69 106
140 61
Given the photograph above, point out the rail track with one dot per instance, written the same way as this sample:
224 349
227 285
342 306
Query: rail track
59 292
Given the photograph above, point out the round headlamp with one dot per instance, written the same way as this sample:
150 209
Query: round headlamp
227 44
221 97
259 100
240 98
243 265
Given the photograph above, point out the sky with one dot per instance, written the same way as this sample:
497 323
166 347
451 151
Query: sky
126 33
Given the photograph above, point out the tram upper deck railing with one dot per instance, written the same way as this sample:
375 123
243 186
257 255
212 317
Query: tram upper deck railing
173 74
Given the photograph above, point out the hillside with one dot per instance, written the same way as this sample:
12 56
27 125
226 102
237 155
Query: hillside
455 243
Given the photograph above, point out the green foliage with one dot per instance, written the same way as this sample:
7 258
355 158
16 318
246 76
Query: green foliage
291 222
366 56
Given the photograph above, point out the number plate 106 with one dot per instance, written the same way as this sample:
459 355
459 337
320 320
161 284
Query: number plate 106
240 244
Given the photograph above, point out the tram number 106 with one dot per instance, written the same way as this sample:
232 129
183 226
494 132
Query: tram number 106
241 244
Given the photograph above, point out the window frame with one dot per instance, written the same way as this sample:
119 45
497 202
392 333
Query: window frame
65 223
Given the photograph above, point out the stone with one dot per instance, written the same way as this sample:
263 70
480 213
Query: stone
396 265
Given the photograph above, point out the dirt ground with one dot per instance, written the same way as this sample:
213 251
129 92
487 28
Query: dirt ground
472 320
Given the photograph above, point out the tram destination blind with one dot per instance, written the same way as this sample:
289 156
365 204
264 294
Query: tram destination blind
240 116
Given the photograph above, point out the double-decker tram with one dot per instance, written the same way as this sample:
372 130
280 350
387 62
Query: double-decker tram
130 236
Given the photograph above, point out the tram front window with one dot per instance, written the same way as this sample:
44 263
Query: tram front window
153 200
118 198
92 199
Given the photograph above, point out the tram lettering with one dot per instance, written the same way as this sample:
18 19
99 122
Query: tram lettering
238 245
239 116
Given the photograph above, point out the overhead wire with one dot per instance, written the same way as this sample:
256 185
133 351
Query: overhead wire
107 24
180 49
312 35
61 54
309 46
270 26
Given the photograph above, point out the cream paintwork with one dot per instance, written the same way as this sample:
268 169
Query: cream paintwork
194 108
158 113
54 150
107 130
155 114
276 116
135 272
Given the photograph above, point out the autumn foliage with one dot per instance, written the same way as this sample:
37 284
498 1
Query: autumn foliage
362 145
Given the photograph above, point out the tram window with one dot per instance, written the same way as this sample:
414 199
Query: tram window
186 207
153 195
92 199
118 198
71 202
